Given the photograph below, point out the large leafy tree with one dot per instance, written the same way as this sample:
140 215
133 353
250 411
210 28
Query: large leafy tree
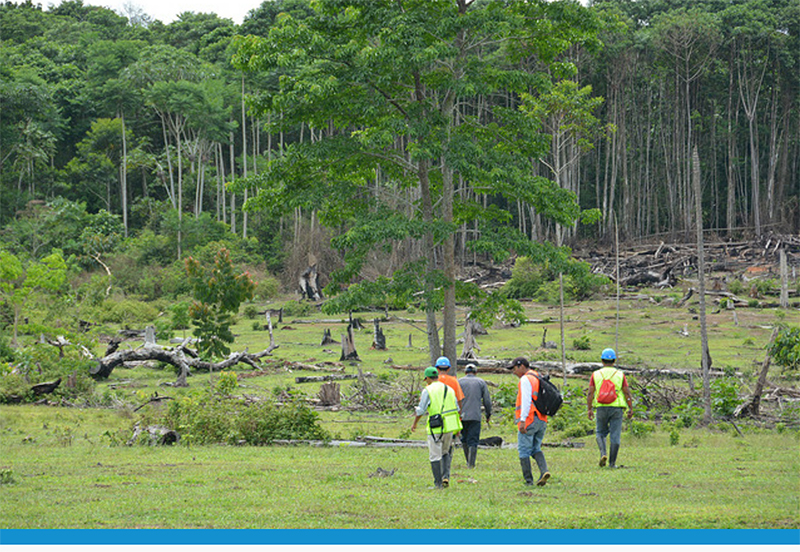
418 100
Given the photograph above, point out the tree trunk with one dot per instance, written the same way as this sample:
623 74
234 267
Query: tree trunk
701 267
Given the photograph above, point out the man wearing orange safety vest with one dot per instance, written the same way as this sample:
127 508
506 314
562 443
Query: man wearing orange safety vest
610 405
437 399
531 424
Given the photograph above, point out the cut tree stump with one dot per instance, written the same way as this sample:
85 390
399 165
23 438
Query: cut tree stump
348 346
378 339
329 394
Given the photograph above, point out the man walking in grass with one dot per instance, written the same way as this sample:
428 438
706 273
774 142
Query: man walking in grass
531 423
443 366
439 402
476 393
609 394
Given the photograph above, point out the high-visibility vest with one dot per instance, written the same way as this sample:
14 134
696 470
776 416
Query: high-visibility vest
531 375
617 378
444 404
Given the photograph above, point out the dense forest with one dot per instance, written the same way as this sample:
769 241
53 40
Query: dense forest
128 144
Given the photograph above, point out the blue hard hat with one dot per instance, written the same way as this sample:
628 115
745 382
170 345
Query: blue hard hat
443 361
608 354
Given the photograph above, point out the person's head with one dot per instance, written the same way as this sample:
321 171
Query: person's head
470 369
608 356
431 373
443 364
519 366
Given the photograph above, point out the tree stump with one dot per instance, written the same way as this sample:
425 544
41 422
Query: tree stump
378 339
329 394
309 288
348 346
327 339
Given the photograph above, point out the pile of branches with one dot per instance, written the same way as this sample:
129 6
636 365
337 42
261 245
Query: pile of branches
661 264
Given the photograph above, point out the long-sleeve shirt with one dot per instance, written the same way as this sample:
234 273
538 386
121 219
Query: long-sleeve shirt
476 392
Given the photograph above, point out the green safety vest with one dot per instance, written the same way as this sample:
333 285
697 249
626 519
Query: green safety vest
443 401
617 377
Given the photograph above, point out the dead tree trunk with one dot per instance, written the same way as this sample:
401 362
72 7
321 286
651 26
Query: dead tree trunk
470 343
309 288
751 407
327 339
378 339
329 394
348 346
176 357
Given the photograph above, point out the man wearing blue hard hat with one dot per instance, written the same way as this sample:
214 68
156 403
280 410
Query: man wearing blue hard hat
609 395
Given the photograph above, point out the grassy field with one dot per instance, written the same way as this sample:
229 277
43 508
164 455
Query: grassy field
711 480
66 467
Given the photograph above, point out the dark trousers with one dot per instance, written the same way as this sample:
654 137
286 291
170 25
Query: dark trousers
471 433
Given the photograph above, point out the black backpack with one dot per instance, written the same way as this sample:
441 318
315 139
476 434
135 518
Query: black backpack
549 400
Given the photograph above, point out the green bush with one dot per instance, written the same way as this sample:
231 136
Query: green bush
297 308
540 281
250 312
582 343
127 312
735 286
641 429
785 350
571 418
724 396
207 417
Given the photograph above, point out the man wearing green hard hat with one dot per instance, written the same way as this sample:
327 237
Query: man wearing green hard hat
439 402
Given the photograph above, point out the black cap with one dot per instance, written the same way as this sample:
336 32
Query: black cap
518 360
470 369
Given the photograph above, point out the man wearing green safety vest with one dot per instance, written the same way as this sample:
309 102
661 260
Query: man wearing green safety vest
609 394
439 402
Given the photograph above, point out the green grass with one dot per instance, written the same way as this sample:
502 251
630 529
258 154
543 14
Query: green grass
718 480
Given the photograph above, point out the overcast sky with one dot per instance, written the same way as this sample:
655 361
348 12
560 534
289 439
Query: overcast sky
168 10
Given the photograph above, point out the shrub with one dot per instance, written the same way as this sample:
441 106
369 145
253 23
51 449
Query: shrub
571 418
582 343
736 286
540 281
297 308
250 312
641 429
127 312
724 396
785 350
207 417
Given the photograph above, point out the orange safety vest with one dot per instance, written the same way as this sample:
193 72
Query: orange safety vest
453 384
531 375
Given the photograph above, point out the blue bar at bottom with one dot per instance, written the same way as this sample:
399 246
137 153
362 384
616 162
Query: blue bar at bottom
401 536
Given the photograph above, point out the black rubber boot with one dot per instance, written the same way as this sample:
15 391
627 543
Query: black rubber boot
446 458
544 475
601 444
436 468
466 452
473 453
525 464
612 459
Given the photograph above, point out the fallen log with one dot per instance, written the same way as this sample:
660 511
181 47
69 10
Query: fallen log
331 377
176 357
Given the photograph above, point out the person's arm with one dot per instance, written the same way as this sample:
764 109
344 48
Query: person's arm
590 397
487 402
628 396
526 392
422 408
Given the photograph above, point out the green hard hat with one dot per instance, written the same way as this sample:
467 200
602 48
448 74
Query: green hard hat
431 372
